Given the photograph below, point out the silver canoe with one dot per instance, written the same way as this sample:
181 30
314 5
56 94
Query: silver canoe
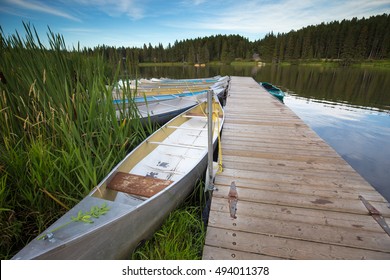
137 195
211 80
149 87
163 111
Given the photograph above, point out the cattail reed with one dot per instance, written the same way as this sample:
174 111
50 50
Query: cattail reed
59 132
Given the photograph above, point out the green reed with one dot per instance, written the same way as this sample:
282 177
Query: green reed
180 238
60 133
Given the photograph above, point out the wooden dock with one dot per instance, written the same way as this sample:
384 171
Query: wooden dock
297 198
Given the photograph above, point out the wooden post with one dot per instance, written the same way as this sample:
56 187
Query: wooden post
210 183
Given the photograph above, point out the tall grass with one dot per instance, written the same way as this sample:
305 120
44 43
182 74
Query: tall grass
59 132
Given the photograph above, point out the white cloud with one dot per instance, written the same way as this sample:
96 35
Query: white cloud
81 30
192 2
198 2
41 7
114 8
259 16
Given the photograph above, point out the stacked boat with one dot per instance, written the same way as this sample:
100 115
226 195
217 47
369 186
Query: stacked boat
159 100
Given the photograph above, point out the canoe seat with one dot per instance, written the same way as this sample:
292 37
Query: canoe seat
137 185
192 115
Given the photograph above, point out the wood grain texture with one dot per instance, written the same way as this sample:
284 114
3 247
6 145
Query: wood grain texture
137 185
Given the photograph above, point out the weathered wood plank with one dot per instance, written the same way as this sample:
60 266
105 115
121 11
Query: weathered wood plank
286 248
298 214
137 185
344 192
344 178
305 201
216 253
299 178
281 143
293 164
300 230
283 156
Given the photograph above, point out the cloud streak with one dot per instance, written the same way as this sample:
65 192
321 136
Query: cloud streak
81 30
41 7
259 16
115 8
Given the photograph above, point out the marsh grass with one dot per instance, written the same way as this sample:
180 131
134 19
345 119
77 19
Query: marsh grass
60 136
60 133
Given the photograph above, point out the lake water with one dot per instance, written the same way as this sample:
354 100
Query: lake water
347 107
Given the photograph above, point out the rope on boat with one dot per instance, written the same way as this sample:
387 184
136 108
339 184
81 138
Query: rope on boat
216 118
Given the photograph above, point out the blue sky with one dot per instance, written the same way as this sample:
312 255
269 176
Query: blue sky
135 22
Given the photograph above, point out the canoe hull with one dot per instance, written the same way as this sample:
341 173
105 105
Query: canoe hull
164 117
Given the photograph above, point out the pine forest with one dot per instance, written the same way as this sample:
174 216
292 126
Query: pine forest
346 41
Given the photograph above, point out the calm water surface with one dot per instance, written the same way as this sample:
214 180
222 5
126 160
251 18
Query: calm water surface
361 136
348 107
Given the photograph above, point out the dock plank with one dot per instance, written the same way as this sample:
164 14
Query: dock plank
284 248
297 198
298 214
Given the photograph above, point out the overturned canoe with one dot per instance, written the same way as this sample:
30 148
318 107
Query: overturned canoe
162 111
155 98
211 80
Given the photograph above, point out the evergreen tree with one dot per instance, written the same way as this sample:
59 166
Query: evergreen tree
282 48
205 54
307 45
289 50
347 53
191 58
225 53
361 44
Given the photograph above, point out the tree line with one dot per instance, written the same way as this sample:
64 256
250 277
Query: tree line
346 41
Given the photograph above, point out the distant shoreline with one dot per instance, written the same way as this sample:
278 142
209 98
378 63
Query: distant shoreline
384 63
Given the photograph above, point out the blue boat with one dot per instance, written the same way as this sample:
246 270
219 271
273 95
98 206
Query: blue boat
275 91
154 98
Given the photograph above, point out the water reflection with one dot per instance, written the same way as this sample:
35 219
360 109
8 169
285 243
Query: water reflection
183 72
360 135
355 86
